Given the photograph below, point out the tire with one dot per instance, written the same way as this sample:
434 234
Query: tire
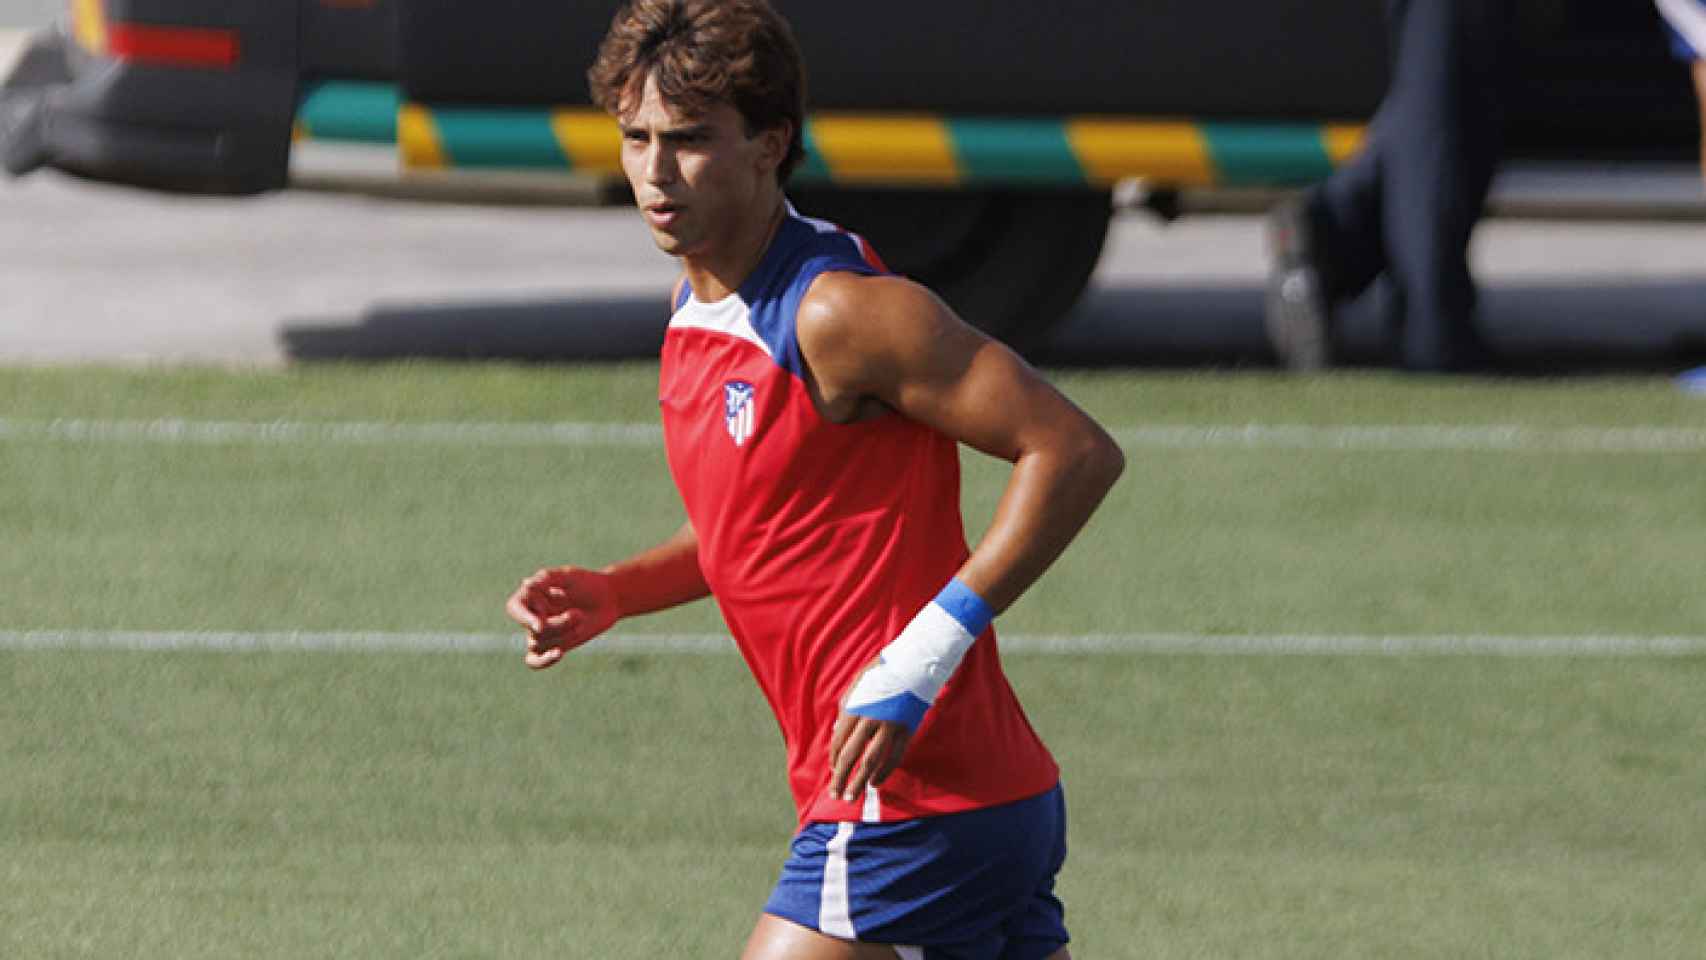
1012 263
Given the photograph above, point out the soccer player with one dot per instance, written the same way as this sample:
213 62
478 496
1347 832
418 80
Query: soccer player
812 405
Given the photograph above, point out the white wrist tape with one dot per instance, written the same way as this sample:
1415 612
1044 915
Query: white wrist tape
915 665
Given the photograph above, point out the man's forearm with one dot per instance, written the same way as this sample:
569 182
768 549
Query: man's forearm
665 576
1050 495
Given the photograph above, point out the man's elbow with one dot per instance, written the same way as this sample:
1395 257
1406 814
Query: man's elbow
1098 460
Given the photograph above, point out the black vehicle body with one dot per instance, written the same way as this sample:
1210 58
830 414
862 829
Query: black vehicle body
203 95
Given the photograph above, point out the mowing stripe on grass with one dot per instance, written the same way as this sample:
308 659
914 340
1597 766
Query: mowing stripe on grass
1506 645
1497 438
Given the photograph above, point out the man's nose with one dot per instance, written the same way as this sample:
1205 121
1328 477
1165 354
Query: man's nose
660 164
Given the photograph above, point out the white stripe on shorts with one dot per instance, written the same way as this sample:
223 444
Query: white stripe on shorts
835 909
909 953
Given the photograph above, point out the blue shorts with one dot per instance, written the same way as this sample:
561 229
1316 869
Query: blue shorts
977 885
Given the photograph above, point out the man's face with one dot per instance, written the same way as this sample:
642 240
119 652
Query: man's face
695 176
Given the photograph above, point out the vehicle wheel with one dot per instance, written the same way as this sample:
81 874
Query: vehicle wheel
1010 262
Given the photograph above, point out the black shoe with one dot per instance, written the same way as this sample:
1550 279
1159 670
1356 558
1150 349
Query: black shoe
1299 319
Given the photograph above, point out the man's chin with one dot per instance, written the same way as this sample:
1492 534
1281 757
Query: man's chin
670 243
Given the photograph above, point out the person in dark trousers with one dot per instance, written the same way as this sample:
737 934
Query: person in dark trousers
1406 205
1686 20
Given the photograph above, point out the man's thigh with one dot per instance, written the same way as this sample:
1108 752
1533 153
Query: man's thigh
777 939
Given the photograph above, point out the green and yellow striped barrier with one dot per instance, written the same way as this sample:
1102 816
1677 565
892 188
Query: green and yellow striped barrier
854 148
349 111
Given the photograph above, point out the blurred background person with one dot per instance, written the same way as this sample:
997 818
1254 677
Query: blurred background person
1687 22
1406 205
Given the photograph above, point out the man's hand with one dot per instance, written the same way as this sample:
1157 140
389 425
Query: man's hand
562 608
863 751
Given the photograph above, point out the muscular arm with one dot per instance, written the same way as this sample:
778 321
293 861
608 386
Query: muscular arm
871 343
890 340
564 607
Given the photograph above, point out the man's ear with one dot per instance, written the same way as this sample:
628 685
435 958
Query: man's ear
773 144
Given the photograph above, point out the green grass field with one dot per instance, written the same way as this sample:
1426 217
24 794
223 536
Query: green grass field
388 804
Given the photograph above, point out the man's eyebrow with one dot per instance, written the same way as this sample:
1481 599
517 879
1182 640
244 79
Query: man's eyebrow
689 129
684 130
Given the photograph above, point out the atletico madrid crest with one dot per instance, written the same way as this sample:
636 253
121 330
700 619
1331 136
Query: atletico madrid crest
737 410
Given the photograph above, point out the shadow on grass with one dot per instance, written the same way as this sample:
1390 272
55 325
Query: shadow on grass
1542 328
581 328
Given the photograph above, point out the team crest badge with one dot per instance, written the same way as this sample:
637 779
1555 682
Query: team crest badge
737 410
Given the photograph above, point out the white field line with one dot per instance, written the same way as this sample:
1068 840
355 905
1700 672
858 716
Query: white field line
1503 645
1423 437
354 642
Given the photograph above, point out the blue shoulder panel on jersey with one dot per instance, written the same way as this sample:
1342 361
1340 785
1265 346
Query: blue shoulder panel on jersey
798 255
1680 46
1686 24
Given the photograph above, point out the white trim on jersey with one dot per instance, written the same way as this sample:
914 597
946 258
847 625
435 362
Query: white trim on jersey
825 226
821 226
1688 17
835 908
909 953
729 315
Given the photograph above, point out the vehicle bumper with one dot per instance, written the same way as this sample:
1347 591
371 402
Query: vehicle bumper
64 108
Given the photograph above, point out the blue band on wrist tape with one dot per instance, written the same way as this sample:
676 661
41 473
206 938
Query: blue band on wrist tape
903 708
964 605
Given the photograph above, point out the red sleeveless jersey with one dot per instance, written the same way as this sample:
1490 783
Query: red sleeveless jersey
820 541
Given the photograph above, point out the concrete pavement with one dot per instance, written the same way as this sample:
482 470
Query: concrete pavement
107 274
30 13
92 273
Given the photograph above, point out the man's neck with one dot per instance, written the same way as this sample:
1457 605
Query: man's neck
718 273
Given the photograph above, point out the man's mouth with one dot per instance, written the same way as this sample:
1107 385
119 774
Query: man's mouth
662 213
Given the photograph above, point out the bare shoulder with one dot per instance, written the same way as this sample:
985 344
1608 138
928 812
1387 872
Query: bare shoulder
843 309
857 328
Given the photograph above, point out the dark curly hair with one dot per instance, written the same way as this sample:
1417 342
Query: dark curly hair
703 52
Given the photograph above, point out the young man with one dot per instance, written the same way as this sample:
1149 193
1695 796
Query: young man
811 407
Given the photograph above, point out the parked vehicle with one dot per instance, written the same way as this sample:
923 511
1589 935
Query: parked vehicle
976 147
